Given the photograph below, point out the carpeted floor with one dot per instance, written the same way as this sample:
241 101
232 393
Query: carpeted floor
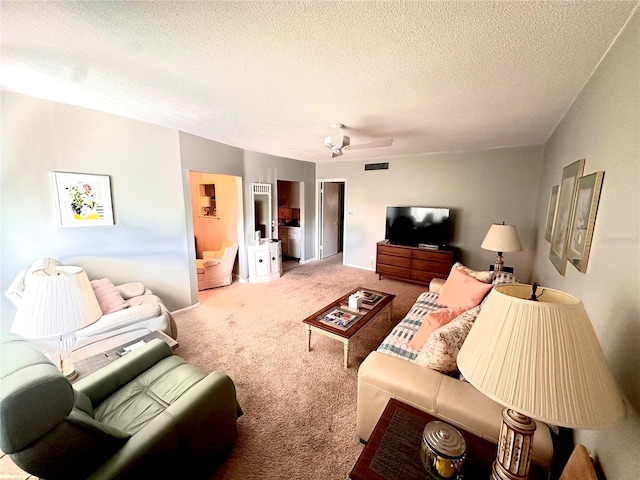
299 407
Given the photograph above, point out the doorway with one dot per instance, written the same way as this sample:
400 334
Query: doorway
332 195
290 222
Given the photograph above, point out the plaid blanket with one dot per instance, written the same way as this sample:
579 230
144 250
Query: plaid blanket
397 342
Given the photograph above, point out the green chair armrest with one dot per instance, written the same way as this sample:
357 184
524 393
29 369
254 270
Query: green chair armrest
104 382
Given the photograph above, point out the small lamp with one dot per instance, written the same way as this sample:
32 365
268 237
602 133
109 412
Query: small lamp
538 356
501 238
57 301
205 203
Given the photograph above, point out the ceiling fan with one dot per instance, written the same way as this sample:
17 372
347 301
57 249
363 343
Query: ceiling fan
338 141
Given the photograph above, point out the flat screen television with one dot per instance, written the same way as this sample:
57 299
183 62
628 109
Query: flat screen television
417 226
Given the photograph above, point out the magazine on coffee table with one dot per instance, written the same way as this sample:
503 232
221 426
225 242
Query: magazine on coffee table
339 318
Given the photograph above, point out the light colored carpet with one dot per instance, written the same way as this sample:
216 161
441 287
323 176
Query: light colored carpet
299 407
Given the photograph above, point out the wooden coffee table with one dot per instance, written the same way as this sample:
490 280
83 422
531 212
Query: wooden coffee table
393 450
315 322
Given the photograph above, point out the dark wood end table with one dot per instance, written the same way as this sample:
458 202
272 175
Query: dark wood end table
393 450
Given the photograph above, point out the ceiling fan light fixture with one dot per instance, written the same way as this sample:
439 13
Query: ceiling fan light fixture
336 152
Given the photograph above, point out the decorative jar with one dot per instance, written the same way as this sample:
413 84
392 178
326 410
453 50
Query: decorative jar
443 451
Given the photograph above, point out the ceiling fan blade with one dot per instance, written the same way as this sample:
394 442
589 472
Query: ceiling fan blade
376 144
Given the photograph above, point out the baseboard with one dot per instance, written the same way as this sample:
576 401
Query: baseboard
186 309
369 269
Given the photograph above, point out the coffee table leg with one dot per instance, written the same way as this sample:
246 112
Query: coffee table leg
308 329
346 354
389 311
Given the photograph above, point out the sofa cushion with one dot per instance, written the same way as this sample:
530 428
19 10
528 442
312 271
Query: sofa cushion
460 290
433 321
440 351
108 297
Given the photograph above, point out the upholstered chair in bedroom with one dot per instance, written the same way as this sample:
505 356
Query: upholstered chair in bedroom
215 269
149 414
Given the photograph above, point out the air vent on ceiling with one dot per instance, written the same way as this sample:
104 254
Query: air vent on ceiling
376 166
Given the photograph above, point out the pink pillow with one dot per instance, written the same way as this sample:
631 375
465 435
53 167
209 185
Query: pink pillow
431 322
461 290
108 297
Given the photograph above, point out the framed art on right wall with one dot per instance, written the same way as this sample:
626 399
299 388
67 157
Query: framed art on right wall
584 220
551 212
562 221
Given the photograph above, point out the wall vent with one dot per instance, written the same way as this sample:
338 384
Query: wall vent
376 166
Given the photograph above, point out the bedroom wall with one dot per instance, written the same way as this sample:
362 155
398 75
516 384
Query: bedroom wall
603 127
147 242
481 188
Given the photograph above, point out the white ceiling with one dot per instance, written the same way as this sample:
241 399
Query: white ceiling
270 76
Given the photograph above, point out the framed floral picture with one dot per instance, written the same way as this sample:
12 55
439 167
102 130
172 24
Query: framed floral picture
584 220
551 212
82 200
564 214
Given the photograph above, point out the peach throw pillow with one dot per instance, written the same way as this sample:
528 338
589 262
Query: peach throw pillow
431 322
460 290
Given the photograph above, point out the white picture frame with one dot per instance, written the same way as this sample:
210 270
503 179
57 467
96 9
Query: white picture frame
82 200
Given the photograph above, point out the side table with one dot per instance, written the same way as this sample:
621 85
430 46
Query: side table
393 450
96 362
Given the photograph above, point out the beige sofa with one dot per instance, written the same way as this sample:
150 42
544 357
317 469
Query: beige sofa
383 375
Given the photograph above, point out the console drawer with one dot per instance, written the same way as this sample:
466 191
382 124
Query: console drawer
430 266
395 251
393 270
404 262
439 257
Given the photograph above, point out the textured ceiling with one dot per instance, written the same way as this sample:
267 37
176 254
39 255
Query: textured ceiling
272 76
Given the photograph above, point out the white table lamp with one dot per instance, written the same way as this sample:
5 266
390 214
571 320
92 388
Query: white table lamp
501 238
57 301
541 360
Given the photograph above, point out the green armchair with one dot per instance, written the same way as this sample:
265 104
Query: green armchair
148 414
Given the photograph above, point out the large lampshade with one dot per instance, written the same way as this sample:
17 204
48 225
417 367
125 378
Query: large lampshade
56 301
540 359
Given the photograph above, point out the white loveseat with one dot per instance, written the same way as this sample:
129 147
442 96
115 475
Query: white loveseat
397 370
143 313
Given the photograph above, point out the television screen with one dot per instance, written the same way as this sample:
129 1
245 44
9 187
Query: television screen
413 226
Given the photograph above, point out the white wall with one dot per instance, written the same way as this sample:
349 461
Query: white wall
603 126
147 242
481 188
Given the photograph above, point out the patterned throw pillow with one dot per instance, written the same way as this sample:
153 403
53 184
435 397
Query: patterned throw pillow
503 277
482 276
441 350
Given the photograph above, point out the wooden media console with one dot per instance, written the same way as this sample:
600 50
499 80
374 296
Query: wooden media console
412 264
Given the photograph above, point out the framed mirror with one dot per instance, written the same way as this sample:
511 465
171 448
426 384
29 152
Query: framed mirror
262 217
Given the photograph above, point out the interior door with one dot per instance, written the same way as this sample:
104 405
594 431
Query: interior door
331 226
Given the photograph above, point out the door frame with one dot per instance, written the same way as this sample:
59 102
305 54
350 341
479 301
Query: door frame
318 242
